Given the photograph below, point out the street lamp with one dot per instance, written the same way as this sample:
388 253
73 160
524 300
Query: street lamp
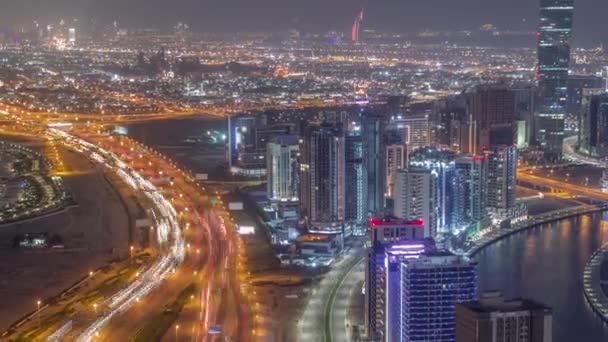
176 330
38 312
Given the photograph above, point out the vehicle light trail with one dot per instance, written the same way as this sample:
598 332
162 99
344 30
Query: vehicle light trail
166 223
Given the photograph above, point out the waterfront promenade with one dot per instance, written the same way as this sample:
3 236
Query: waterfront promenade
594 282
532 221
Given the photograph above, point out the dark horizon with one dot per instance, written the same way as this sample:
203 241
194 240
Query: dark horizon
311 16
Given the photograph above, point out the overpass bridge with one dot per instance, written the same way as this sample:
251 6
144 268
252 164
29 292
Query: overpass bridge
559 185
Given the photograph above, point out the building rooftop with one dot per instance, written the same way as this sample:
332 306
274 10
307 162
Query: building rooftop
493 301
316 237
393 221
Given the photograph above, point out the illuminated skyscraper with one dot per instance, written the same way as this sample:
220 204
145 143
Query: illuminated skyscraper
282 168
381 305
395 160
502 172
417 131
356 27
243 155
429 287
355 182
446 189
416 196
576 85
322 178
554 34
474 176
241 136
412 291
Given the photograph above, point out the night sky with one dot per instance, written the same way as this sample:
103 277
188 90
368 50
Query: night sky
310 15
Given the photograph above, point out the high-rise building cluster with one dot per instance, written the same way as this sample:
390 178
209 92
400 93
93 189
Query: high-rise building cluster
410 174
341 168
395 177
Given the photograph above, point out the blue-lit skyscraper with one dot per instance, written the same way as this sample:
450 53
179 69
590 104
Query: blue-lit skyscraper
382 300
441 164
412 291
554 34
429 287
474 173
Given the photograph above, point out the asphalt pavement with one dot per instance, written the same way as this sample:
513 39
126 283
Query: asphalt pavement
313 324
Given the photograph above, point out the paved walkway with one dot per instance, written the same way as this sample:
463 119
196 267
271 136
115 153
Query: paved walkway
533 221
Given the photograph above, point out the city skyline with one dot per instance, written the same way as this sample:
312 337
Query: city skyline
319 176
316 16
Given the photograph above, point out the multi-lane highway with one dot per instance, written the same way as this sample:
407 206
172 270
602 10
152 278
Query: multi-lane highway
167 227
195 241
220 304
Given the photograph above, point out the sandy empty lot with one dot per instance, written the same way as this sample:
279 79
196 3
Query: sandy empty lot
94 233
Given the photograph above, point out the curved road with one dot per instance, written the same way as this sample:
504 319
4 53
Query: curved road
339 327
312 326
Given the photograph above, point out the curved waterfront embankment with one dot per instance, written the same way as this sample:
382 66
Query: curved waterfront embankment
534 221
592 282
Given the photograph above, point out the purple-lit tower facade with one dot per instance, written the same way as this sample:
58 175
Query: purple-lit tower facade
411 287
389 236
382 293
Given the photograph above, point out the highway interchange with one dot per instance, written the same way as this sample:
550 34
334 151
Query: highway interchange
196 245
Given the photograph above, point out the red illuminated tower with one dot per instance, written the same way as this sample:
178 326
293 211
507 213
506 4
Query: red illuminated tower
356 25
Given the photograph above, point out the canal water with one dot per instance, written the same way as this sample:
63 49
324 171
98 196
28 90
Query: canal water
546 264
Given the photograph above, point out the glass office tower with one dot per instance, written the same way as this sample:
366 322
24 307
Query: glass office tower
554 34
431 285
